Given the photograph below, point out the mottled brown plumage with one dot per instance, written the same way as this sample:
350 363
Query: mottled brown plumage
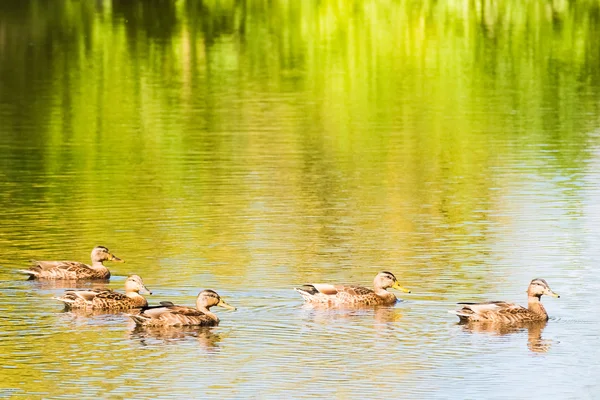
106 299
353 295
172 315
508 313
73 270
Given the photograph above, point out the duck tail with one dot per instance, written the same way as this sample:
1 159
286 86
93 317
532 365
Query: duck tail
307 290
32 274
66 301
464 317
138 319
27 272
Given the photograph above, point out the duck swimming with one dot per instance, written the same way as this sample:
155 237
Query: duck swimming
106 299
169 314
508 313
353 295
73 270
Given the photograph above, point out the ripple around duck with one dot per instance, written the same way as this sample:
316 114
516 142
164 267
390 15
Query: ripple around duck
572 321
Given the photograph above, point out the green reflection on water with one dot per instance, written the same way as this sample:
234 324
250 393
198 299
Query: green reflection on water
205 111
110 108
245 136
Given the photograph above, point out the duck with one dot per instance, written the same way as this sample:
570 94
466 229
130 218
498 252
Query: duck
73 270
353 295
509 313
169 314
106 299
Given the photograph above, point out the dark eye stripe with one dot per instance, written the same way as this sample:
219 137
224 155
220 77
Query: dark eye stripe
540 282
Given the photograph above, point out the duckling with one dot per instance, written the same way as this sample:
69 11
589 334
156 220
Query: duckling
73 270
508 313
353 295
169 314
106 299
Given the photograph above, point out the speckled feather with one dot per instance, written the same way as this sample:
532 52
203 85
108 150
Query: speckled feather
101 299
342 295
174 316
67 270
499 312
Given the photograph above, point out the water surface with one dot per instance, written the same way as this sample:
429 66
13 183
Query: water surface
252 146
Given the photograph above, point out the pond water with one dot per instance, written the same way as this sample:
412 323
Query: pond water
253 146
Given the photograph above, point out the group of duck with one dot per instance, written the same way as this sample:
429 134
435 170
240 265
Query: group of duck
169 314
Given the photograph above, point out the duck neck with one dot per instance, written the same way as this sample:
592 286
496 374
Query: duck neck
206 312
388 297
535 306
137 298
97 264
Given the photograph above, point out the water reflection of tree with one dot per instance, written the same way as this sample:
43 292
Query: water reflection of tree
64 65
535 342
155 20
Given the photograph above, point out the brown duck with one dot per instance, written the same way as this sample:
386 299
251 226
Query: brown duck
353 295
106 299
509 313
73 270
169 314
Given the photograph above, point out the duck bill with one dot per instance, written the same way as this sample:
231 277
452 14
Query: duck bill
551 293
116 259
398 287
223 304
144 290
